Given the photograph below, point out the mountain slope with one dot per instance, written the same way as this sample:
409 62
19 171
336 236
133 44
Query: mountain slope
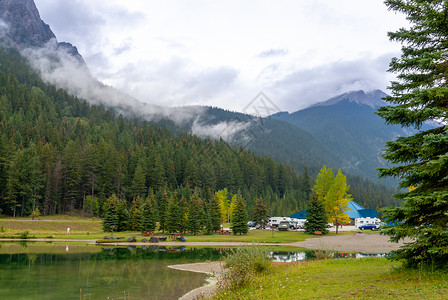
56 149
268 137
348 125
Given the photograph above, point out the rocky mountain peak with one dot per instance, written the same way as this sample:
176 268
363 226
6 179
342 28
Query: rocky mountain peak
23 25
372 98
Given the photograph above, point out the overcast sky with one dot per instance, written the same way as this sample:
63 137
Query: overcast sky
224 52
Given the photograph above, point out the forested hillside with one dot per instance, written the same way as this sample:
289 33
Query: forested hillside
55 150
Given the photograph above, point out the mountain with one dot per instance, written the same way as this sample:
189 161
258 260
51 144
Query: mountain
348 125
60 64
280 140
22 27
372 99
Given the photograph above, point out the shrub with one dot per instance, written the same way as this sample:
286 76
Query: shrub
35 213
24 235
242 264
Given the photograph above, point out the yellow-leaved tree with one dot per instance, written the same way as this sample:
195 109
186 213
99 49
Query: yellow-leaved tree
232 207
221 195
332 192
337 200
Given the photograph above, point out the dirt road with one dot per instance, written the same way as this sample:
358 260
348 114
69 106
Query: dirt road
367 243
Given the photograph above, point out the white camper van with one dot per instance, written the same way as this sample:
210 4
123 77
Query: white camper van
275 221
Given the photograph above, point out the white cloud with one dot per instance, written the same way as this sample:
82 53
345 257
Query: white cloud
222 53
273 53
302 88
62 69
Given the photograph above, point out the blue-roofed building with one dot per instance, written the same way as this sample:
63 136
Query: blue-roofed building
355 211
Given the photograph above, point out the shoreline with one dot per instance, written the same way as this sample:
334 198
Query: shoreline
366 243
213 269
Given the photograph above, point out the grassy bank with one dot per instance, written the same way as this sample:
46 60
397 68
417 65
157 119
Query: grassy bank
89 228
262 236
367 278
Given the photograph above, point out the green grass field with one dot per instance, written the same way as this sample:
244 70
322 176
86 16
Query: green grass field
89 228
52 226
366 278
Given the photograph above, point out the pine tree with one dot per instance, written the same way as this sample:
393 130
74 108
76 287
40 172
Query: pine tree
148 221
239 219
110 221
162 206
316 218
122 215
156 170
138 187
173 215
420 94
24 181
306 183
214 214
72 176
261 215
194 214
135 215
184 214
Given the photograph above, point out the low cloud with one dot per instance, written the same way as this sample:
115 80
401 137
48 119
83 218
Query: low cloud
57 66
224 130
173 82
234 132
3 27
302 88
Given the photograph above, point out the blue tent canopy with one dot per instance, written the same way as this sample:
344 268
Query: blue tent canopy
355 211
300 215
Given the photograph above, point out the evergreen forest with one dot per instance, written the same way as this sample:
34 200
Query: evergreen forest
60 154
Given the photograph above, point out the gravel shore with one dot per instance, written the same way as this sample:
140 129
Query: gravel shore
215 269
366 243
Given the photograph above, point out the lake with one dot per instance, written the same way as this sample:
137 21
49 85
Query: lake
39 271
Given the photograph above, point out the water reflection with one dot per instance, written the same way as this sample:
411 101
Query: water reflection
284 256
109 272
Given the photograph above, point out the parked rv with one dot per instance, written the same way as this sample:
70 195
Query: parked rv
275 221
283 226
298 223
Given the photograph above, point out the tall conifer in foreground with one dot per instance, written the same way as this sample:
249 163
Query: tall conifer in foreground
239 216
214 213
316 218
110 221
135 214
149 214
420 94
195 214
